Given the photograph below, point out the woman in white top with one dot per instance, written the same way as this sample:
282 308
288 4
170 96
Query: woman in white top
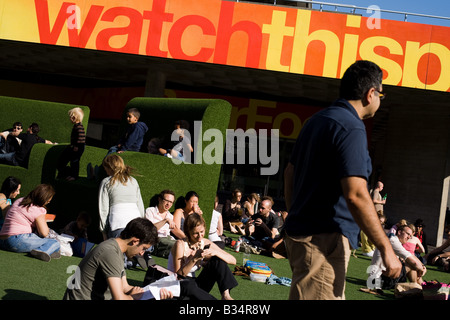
216 226
196 252
120 199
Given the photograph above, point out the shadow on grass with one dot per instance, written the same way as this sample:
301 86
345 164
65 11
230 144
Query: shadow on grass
360 283
13 294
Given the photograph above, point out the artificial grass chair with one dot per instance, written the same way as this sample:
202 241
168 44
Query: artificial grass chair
55 125
154 172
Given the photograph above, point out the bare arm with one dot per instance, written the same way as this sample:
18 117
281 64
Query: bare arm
418 243
121 290
440 248
177 220
177 232
41 225
214 250
4 206
189 263
116 286
417 266
376 195
160 224
362 209
220 226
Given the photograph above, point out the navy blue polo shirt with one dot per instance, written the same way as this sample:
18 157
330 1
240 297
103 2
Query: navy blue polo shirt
332 145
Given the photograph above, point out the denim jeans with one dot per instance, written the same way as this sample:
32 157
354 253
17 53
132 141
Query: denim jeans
8 158
113 149
29 241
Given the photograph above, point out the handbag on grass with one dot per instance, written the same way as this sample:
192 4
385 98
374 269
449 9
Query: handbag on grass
435 290
408 290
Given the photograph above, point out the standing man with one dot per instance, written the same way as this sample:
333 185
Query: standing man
326 190
377 199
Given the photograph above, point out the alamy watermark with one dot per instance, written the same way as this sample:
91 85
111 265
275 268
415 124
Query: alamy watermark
263 147
374 21
374 280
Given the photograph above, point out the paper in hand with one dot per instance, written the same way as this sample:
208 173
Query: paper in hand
171 283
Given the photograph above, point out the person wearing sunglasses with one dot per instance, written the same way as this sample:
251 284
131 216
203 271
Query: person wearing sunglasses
326 191
412 268
9 142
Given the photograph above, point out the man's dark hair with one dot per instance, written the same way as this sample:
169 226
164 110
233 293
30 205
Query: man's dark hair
35 128
135 112
359 78
141 228
17 124
167 191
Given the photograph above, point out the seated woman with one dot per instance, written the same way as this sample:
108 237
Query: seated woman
120 199
251 205
25 216
196 252
233 210
180 214
10 189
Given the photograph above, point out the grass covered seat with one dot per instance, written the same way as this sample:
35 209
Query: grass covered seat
153 172
54 123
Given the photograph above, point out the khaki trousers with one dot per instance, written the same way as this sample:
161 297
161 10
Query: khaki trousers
319 266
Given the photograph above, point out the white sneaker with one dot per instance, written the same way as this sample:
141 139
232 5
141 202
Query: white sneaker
368 254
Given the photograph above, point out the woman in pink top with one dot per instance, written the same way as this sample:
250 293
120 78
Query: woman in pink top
25 226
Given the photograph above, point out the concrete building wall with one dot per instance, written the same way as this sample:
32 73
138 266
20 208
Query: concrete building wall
414 162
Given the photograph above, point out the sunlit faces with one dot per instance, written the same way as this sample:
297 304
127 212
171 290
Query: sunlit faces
192 203
404 235
167 201
16 192
197 234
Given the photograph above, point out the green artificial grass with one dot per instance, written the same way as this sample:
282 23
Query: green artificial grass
154 173
54 124
26 278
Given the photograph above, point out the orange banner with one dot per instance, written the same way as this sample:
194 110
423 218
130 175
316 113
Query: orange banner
238 34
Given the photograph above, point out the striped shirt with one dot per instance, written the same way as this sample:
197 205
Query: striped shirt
78 136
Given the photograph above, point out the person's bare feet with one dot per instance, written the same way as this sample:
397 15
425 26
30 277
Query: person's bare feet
226 295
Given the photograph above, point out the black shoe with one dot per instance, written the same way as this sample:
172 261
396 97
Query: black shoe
41 255
56 255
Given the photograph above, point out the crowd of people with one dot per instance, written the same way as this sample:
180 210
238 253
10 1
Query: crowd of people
130 232
329 212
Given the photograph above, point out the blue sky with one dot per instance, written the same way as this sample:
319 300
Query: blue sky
429 7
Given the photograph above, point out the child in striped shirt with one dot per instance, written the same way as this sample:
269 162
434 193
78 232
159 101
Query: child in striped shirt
74 151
